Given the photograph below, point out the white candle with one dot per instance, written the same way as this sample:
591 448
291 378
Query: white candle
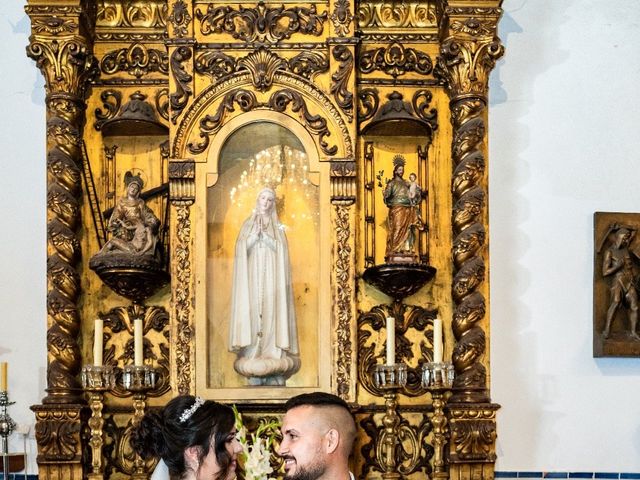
4 366
97 342
391 341
137 342
437 340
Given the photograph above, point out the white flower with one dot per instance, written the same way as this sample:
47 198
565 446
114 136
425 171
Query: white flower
257 447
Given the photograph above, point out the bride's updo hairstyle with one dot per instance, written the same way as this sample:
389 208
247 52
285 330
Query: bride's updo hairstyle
185 421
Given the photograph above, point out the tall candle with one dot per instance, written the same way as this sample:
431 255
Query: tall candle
4 366
437 340
391 341
137 342
97 342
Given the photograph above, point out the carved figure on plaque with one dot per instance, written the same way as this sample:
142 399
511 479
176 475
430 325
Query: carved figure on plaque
618 267
402 197
133 225
263 331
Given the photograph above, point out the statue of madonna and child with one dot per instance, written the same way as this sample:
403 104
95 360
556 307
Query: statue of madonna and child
262 327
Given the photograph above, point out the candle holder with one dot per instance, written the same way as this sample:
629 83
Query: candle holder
437 378
96 379
7 425
139 379
389 379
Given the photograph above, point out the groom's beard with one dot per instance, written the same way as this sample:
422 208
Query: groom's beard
311 472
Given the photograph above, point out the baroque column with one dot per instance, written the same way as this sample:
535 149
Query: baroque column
62 51
468 52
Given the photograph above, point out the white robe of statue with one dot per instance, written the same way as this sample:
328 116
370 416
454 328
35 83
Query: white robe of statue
263 330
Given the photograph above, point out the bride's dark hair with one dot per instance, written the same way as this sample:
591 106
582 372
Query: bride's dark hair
166 433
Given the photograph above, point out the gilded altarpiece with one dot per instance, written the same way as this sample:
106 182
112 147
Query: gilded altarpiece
203 113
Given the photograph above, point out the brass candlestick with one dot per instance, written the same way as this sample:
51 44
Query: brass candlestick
390 378
7 425
96 379
139 379
437 378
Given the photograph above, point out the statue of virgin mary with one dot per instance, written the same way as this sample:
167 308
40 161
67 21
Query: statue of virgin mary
263 330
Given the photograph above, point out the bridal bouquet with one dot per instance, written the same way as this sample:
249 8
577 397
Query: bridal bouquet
257 447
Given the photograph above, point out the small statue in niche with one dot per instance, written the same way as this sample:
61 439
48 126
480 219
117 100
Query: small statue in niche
403 199
133 225
618 267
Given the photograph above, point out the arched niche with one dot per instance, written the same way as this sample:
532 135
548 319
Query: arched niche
252 151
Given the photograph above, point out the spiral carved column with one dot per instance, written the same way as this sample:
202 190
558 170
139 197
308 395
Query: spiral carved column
63 55
468 53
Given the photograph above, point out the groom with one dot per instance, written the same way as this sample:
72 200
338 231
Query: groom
318 432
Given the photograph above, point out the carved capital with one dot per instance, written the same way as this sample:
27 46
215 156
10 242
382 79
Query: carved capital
182 175
65 62
343 182
469 50
59 437
473 436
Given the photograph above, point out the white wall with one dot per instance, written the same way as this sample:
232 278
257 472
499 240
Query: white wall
22 223
563 145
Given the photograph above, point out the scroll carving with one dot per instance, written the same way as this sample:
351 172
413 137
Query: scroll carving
261 24
215 64
210 124
279 102
111 100
340 80
368 105
179 99
137 60
314 123
309 64
415 453
395 60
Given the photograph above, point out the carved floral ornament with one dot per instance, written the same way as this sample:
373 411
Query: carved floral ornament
54 25
262 63
261 24
395 60
342 17
180 18
137 60
297 95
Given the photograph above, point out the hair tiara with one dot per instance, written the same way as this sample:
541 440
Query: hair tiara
188 412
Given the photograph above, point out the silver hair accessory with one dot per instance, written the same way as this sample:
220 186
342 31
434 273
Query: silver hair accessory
186 415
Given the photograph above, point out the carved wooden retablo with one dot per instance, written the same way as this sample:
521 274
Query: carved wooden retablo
209 105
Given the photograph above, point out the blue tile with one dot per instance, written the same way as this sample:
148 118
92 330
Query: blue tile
506 474
529 474
630 475
580 474
606 475
555 475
